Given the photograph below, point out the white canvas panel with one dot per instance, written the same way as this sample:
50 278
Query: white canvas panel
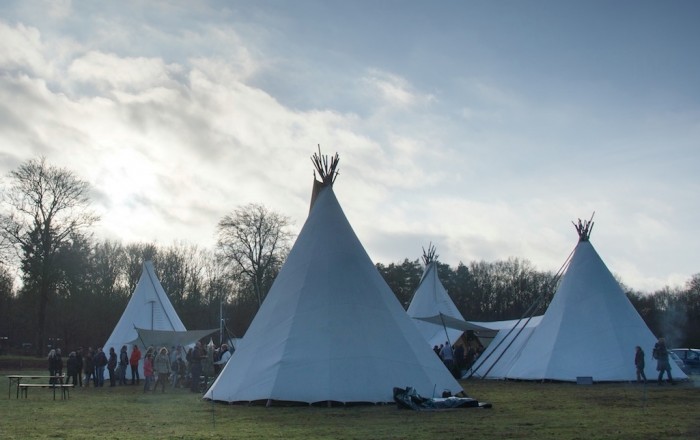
148 308
430 299
590 329
330 329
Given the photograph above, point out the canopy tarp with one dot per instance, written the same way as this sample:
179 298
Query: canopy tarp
459 324
169 338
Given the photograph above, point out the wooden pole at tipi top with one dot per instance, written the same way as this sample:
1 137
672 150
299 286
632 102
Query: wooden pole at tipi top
327 171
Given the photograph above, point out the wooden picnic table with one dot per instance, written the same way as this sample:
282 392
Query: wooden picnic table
18 378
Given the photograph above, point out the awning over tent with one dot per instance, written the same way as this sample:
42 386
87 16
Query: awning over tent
455 323
169 338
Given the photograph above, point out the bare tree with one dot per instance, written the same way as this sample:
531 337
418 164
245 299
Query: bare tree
47 206
6 305
108 274
135 255
180 270
254 241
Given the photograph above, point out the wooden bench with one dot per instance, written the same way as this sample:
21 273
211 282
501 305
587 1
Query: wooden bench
22 378
65 388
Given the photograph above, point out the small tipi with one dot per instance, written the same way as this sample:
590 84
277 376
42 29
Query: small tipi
431 299
330 328
590 329
149 308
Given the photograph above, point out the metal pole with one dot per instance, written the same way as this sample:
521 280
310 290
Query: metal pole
221 321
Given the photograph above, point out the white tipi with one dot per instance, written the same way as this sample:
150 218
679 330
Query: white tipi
590 329
431 299
149 308
330 328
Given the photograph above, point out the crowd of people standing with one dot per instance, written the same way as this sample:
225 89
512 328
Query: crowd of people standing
178 368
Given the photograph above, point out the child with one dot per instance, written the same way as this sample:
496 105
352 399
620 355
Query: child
148 371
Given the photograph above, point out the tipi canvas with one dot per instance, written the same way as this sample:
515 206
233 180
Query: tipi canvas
590 329
149 308
330 328
432 299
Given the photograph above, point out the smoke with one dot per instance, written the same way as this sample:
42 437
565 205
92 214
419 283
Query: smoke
673 324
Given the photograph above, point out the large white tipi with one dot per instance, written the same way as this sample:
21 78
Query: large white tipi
590 330
149 308
430 300
330 328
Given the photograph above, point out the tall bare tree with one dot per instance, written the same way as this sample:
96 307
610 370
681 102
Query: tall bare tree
254 241
6 306
135 255
108 274
46 207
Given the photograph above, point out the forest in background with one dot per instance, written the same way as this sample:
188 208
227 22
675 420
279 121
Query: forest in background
97 278
59 286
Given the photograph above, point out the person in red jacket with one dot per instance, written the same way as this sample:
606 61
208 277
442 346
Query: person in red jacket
134 363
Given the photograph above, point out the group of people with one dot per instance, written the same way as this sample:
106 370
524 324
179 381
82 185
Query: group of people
660 353
177 368
457 358
161 367
83 366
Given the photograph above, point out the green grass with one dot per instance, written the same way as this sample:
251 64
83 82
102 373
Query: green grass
521 410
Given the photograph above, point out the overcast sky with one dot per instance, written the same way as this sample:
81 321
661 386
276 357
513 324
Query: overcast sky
484 127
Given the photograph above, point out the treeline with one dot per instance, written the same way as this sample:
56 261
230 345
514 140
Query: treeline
98 277
96 280
494 291
482 291
60 286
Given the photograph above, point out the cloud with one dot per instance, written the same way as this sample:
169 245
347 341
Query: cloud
180 116
58 9
21 49
108 72
394 91
172 145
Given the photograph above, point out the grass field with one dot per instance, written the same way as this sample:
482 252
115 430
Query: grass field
521 410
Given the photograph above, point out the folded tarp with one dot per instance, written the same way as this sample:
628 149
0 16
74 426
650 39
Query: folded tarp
169 338
407 398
